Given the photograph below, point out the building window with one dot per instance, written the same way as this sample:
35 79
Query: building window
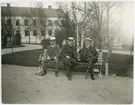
26 22
26 33
9 22
17 32
42 33
50 22
34 33
56 23
34 22
17 22
2 21
50 32
42 22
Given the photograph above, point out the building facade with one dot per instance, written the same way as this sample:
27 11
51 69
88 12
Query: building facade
33 24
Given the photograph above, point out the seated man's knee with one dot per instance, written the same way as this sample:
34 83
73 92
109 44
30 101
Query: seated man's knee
73 61
67 62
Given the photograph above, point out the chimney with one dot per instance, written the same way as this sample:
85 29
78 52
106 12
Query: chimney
49 6
8 4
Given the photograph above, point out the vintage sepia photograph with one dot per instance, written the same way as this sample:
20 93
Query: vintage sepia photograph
77 52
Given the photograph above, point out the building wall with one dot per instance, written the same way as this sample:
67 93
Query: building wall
30 27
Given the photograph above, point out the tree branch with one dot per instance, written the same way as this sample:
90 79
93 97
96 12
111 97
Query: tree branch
113 11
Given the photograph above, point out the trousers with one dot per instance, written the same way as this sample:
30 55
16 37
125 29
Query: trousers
69 65
46 62
90 61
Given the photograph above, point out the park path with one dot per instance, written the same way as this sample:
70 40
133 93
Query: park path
34 47
21 86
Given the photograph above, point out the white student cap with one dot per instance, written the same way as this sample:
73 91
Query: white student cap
70 38
52 38
88 39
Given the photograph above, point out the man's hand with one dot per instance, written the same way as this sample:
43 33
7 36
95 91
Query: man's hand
78 50
48 58
68 57
55 58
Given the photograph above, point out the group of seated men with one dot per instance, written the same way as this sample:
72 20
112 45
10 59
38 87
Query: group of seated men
68 55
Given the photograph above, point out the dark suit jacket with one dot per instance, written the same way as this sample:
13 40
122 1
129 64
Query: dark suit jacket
53 51
85 53
70 51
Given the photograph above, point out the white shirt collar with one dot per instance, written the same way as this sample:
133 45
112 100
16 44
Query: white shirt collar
53 45
87 46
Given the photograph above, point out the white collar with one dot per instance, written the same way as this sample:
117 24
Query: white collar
53 45
87 46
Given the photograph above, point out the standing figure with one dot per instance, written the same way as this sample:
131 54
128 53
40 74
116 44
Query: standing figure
89 54
69 57
53 51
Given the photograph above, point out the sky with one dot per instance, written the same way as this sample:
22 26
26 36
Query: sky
30 3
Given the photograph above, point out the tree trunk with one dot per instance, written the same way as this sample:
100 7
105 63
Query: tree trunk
29 37
36 39
82 38
108 33
77 36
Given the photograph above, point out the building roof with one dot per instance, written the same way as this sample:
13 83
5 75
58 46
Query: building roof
27 11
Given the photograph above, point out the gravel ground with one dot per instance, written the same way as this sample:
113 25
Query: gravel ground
21 86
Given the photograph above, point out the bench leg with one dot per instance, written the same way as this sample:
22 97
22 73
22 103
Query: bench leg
97 75
38 70
86 75
56 69
100 72
106 69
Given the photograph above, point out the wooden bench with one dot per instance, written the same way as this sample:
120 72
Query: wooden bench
98 65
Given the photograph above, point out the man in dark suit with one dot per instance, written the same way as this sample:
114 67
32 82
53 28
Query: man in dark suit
53 52
69 56
89 54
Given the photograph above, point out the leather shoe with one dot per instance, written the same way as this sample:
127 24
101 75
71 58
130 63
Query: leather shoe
92 77
69 78
56 74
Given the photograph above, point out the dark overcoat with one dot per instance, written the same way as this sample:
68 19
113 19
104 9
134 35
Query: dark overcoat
69 51
53 51
86 53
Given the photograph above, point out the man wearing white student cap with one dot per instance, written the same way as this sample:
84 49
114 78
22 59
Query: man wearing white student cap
89 54
52 38
70 41
53 51
69 56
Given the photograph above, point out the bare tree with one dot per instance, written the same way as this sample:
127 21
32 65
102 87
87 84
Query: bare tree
40 17
91 18
8 27
96 16
66 23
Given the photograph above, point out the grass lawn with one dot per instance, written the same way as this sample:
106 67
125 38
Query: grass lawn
14 46
118 63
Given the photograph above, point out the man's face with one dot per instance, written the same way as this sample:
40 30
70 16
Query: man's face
45 50
87 42
70 42
52 42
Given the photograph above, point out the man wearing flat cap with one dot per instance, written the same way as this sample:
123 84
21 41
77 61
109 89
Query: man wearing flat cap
69 56
89 54
53 51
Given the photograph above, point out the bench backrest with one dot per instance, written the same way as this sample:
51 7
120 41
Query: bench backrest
100 57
